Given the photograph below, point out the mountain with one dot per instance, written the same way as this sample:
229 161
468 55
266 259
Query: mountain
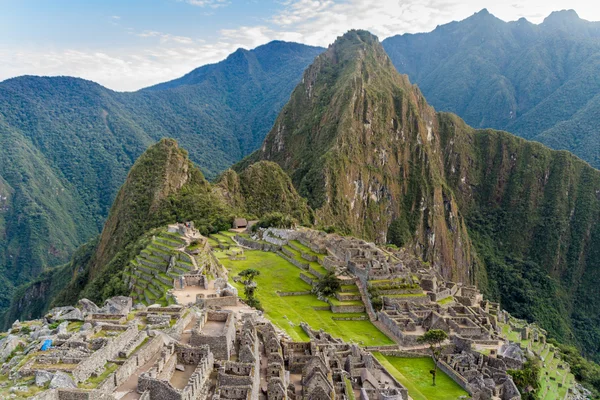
69 143
162 187
360 142
540 82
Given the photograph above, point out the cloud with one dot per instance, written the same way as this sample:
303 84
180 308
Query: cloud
208 3
164 37
116 69
115 17
158 56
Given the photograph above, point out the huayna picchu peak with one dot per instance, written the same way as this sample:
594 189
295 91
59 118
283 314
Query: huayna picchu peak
483 207
350 243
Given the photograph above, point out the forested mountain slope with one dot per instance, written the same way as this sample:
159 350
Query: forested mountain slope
541 82
162 187
483 206
67 144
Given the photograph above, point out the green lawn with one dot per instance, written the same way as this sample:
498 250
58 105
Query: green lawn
414 374
287 312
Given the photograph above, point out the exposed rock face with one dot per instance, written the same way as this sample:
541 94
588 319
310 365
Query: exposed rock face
42 377
73 315
88 306
62 381
118 305
8 345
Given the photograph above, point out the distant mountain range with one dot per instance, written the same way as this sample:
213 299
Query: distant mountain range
67 144
540 82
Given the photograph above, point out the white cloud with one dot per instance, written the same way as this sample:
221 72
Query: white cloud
208 3
163 56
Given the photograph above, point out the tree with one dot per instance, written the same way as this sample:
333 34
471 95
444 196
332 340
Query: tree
329 285
248 276
434 338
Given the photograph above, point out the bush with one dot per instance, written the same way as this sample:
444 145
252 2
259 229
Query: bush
277 220
328 285
527 377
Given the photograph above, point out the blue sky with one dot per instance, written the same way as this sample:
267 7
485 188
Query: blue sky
130 44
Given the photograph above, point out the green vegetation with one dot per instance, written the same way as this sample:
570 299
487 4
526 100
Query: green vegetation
514 217
276 220
527 379
287 312
328 285
515 81
94 381
247 278
414 374
434 338
585 371
66 145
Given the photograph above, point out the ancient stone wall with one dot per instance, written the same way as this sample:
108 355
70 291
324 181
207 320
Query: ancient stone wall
254 245
98 359
455 376
347 309
225 301
159 389
177 329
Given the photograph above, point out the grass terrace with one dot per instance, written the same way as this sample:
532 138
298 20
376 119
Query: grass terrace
306 249
555 382
314 265
414 374
287 312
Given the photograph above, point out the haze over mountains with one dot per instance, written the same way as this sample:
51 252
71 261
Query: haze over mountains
359 142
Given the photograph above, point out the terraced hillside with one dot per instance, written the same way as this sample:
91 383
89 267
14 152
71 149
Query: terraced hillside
152 272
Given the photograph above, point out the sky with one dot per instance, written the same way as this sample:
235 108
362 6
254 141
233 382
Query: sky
126 45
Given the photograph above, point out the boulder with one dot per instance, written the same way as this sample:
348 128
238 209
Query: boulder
56 312
73 315
118 305
43 377
61 380
8 345
88 306
85 327
62 328
139 307
180 367
512 351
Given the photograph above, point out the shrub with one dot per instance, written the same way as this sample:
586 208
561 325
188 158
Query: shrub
328 285
277 220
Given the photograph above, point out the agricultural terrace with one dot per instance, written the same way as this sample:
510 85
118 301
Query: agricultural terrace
414 374
287 312
555 381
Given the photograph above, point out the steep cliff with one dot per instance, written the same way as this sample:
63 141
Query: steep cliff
362 145
375 160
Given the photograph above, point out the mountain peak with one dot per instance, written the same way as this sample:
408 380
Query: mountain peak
562 17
